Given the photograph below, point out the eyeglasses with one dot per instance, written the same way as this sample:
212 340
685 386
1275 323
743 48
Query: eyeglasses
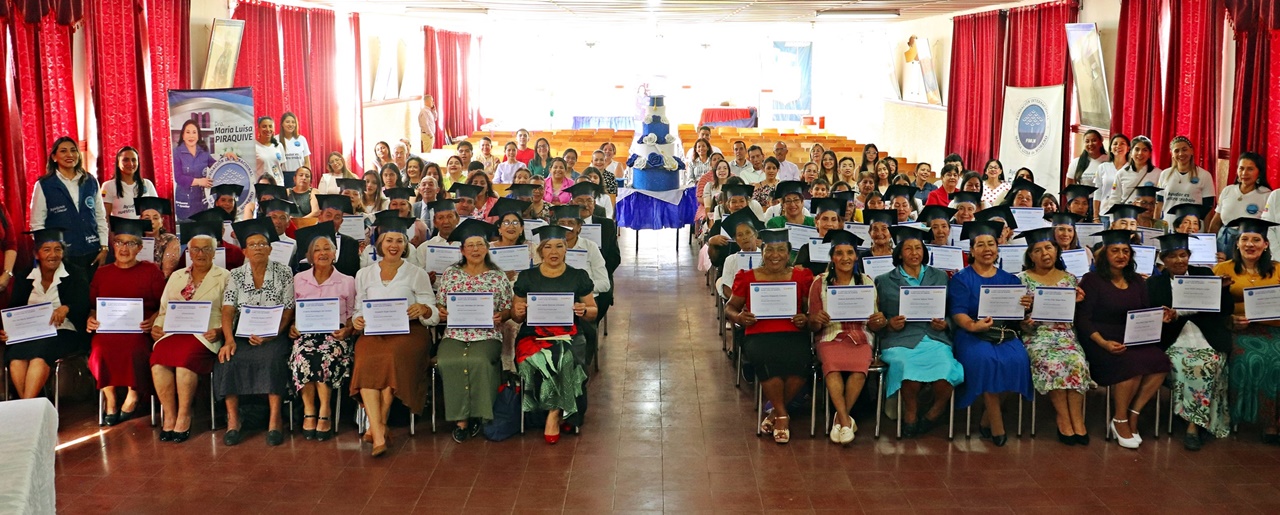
132 244
259 246
793 201
475 246
511 223
202 250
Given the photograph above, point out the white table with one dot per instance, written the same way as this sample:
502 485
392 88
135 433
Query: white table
28 436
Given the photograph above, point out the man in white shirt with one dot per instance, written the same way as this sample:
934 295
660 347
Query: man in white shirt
754 174
427 123
739 161
787 171
704 132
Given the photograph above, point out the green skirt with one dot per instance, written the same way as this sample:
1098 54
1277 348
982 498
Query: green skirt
554 378
1255 371
471 372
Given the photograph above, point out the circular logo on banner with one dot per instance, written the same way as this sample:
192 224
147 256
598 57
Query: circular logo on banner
232 171
1032 124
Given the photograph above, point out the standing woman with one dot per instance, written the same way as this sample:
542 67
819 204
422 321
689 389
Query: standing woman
950 184
66 197
335 168
700 162
1255 355
994 186
381 154
190 160
556 186
870 156
1090 160
302 195
321 362
504 172
124 359
1118 154
120 192
542 158
1244 199
372 198
827 167
297 153
1141 171
269 153
815 153
882 176
1184 182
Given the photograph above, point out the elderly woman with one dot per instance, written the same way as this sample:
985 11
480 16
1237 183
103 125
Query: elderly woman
603 200
966 205
551 359
254 360
167 250
879 222
178 360
321 361
1058 365
302 195
1255 356
67 290
778 347
1079 201
1112 290
119 359
396 364
901 198
1188 218
745 228
829 216
937 219
399 202
843 347
469 356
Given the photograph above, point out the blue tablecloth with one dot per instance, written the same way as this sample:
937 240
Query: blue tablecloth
605 122
642 210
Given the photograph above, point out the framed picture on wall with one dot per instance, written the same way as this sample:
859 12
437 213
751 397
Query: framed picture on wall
1090 73
224 53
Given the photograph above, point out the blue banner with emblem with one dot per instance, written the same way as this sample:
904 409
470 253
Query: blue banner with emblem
212 133
1031 135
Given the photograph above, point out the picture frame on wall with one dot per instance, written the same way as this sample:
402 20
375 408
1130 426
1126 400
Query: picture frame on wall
1090 73
224 53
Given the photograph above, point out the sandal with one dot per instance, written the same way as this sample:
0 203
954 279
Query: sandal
781 436
309 434
766 425
326 434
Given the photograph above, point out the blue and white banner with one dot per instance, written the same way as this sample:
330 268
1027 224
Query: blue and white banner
213 143
1031 135
786 70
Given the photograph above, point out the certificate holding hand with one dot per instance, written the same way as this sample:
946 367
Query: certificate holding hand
773 300
1142 326
119 315
547 309
470 310
187 317
853 303
318 316
1197 293
1002 302
386 316
1054 304
1262 303
261 321
26 323
922 303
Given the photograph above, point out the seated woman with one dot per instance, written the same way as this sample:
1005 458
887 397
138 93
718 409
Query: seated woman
779 348
918 353
791 193
720 243
389 365
178 360
66 288
1049 204
551 360
1002 215
880 222
843 347
937 219
321 362
745 228
1255 356
1023 193
167 249
991 351
124 359
902 200
1145 199
1110 291
469 355
828 214
1197 343
257 364
1058 365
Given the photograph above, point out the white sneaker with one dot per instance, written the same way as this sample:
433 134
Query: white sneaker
847 433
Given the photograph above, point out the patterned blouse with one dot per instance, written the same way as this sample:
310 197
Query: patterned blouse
276 290
455 280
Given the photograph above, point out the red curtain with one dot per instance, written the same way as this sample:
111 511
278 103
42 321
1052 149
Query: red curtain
1136 104
259 66
1191 95
46 100
1256 99
1038 56
356 151
14 189
325 135
293 31
433 84
167 54
118 93
974 100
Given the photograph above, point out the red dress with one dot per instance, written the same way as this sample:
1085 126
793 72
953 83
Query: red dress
938 197
125 359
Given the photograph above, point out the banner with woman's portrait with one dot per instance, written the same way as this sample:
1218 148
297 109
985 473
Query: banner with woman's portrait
212 136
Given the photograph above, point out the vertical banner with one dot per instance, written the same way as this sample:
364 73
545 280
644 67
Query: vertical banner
787 74
1031 134
212 136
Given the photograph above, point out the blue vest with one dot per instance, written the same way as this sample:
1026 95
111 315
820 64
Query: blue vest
80 227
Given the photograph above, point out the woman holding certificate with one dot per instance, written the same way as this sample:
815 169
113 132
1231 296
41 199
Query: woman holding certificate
321 356
1255 357
475 299
257 311
183 354
47 313
125 296
167 249
550 349
987 339
769 302
1117 357
393 355
828 216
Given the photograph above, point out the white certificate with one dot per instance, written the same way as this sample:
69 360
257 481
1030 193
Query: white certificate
228 234
512 258
922 303
1149 235
946 258
386 316
1077 262
187 317
953 237
1011 257
1001 302
1197 293
1054 304
549 309
470 310
861 231
851 303
148 252
530 225
119 315
220 257
26 323
1029 218
263 321
1262 303
1204 248
1144 259
353 227
576 258
876 266
282 252
438 257
746 261
592 232
318 316
1086 233
819 252
1143 326
773 300
799 235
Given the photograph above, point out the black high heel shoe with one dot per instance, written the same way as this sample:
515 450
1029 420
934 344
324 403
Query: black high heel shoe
323 435
1081 439
1000 440
180 437
166 436
309 434
984 432
111 419
1066 439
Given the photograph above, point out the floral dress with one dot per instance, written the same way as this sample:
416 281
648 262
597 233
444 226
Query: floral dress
320 357
763 194
1057 361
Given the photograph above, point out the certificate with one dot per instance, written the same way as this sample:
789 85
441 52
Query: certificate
1054 304
1197 293
261 321
861 231
470 310
922 303
148 252
1142 326
282 251
1029 218
1149 235
228 234
26 323
1002 302
946 258
1011 257
876 266
1086 234
1262 303
386 316
220 257
549 309
1077 262
819 252
530 225
1144 259
746 261
439 257
851 303
318 316
773 300
513 258
592 232
187 317
353 227
576 258
953 237
1204 248
117 315
799 235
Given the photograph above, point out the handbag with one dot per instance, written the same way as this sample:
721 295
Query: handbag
506 413
998 333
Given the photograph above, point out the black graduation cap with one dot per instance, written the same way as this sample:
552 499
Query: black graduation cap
971 197
261 226
981 228
874 194
584 189
46 235
742 216
1116 236
900 190
350 185
842 237
399 193
1001 212
521 190
130 226
274 191
1063 218
227 189
1252 225
785 188
213 214
1035 236
566 211
1181 211
278 204
464 190
844 196
551 232
393 223
338 202
774 236
160 205
1123 211
198 228
1146 191
442 205
307 235
1174 241
1075 191
1036 190
886 216
818 205
509 205
931 213
739 190
901 233
471 228
384 214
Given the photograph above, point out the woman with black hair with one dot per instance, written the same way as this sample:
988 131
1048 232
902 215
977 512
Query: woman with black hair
66 197
390 176
870 156
1141 171
1255 355
190 159
268 151
994 186
1091 158
372 197
1244 199
126 185
1118 152
827 167
297 152
540 164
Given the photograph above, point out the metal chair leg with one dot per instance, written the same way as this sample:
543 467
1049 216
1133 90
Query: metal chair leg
899 414
968 419
337 411
433 398
1170 428
951 422
1108 413
1033 415
101 421
213 400
1020 415
759 407
813 406
879 402
1157 421
152 401
57 383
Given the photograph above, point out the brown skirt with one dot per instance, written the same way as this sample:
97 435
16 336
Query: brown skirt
398 361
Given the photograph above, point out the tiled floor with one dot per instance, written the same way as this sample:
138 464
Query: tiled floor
667 431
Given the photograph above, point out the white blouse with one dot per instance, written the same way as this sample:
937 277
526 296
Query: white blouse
40 295
410 282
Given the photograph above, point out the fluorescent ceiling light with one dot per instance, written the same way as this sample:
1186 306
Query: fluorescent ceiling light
858 14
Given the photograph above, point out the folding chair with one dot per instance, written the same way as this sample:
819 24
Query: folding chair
1157 417
1084 402
968 416
213 418
951 419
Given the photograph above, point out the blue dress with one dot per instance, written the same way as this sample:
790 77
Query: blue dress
988 367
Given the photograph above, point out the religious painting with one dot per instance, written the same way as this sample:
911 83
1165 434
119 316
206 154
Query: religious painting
224 54
1090 74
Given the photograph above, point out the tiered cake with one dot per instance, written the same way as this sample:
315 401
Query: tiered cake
654 164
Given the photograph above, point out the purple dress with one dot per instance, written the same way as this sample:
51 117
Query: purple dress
1103 311
188 199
